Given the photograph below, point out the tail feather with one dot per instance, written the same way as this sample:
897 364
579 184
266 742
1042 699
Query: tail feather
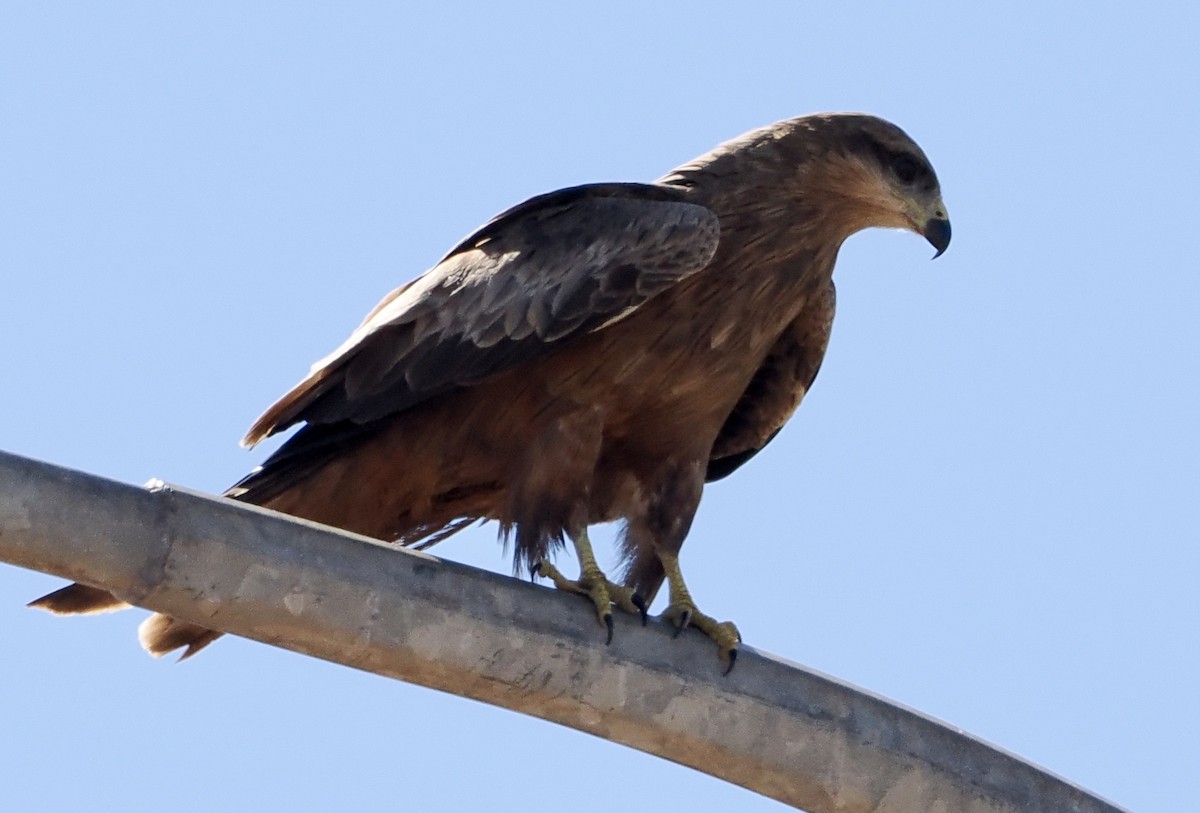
319 474
79 599
160 634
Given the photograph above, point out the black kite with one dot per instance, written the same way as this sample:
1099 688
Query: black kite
594 354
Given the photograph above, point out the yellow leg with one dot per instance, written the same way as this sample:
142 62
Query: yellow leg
594 584
683 613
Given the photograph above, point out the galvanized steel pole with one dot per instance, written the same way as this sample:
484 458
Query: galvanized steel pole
788 733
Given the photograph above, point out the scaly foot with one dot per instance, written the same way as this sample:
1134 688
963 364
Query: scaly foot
594 584
683 613
726 635
603 593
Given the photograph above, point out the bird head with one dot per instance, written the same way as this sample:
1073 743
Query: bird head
868 173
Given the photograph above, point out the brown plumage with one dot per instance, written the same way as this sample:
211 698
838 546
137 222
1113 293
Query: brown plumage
593 354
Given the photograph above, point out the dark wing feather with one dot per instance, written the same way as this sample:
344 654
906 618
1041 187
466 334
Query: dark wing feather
552 268
777 388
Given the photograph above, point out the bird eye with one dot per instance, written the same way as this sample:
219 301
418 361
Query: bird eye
905 168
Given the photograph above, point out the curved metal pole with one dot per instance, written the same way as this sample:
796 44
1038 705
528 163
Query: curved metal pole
794 735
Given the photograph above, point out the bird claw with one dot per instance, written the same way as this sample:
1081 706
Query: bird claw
732 657
642 608
682 621
596 586
723 633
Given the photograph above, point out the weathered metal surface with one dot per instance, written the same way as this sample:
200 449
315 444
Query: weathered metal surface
776 728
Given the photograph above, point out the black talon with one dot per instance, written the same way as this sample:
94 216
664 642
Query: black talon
732 661
640 603
685 618
608 622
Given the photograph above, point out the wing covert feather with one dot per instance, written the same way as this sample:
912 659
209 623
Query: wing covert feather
548 270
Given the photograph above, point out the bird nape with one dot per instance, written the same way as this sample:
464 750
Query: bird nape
594 354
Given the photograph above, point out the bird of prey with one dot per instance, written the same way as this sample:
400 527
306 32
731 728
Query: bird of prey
591 355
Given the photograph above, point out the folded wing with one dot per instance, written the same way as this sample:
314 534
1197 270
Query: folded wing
778 387
548 270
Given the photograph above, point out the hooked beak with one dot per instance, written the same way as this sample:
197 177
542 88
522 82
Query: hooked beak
937 232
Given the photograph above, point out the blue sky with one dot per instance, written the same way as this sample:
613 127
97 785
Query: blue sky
987 509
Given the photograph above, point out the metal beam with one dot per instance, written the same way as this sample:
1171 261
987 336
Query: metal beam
771 726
